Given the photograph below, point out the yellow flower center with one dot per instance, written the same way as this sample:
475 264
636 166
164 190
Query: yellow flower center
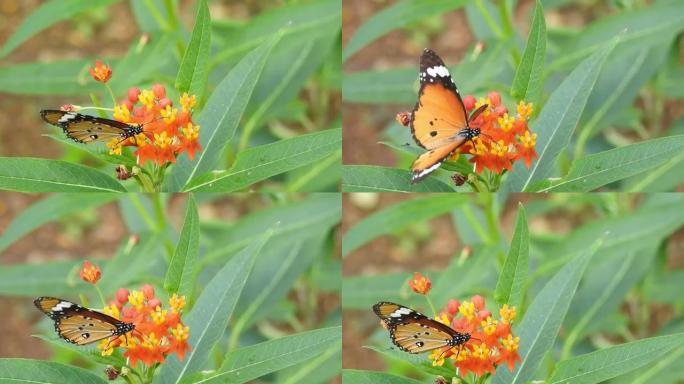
159 316
106 347
162 140
529 140
169 114
181 332
499 148
467 309
482 101
507 314
489 325
511 343
524 109
443 318
136 298
187 101
121 113
481 351
177 303
506 122
112 311
150 341
146 98
479 148
191 131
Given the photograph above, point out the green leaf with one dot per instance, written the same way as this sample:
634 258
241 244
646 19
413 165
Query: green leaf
259 163
639 27
596 170
141 63
97 151
59 278
58 78
604 364
221 115
49 209
398 216
26 174
44 372
396 16
211 312
539 328
361 292
557 121
510 289
352 376
418 361
192 74
368 178
49 13
528 79
180 275
296 219
249 363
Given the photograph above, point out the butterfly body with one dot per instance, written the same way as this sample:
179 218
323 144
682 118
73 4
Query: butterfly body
85 128
79 325
414 332
439 122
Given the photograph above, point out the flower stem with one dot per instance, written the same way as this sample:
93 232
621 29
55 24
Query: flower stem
432 306
111 93
99 293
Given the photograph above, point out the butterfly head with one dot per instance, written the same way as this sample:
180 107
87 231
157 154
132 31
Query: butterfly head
459 339
123 328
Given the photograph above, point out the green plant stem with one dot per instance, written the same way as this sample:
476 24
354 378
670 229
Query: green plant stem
99 293
491 217
111 93
489 19
432 306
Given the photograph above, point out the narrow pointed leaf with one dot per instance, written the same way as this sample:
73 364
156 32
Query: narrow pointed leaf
352 376
557 121
180 275
542 321
596 170
259 163
44 372
510 287
249 363
43 175
368 178
211 313
604 364
221 116
528 78
192 74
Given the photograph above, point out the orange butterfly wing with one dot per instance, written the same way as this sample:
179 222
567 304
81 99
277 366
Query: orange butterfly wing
439 113
439 121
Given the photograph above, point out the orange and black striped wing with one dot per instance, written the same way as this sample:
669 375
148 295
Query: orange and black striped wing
432 159
85 129
79 325
439 113
414 332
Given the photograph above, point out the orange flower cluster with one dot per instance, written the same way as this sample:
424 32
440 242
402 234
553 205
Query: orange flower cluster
420 284
491 344
90 273
504 139
158 332
167 131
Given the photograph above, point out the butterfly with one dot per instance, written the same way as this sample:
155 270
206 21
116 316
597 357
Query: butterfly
414 332
85 129
439 122
79 325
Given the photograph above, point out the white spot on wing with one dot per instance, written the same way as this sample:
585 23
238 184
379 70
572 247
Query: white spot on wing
425 172
438 71
400 312
66 117
62 305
